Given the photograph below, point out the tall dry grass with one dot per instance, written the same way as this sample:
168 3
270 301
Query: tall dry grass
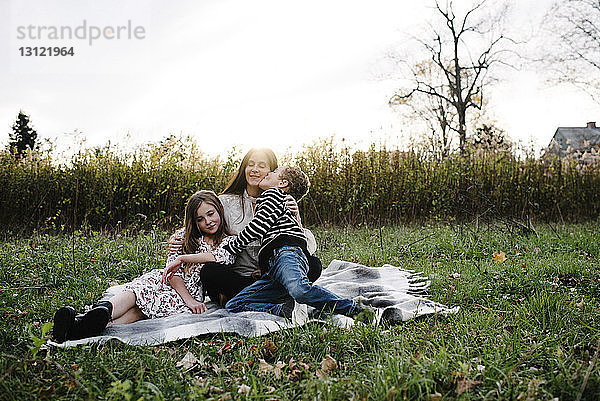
103 188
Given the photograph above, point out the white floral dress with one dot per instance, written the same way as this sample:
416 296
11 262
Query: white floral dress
156 299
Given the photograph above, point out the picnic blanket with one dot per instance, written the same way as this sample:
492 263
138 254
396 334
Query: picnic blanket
395 294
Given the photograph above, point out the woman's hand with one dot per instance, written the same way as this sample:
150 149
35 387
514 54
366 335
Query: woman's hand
174 245
195 306
171 268
291 204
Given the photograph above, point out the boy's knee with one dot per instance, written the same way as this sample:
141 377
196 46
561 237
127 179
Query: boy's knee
230 306
300 292
233 306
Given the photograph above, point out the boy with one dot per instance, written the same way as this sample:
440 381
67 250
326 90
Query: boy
282 255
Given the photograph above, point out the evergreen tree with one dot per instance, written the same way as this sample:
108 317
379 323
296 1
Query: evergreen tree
22 136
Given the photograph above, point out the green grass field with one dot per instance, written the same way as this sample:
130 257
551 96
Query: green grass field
528 328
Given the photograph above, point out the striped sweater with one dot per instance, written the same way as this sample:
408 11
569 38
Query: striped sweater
273 224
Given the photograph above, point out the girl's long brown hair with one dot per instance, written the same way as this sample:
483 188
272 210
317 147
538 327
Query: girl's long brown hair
237 184
192 233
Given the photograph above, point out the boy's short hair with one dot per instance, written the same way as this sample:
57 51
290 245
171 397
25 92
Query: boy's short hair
298 182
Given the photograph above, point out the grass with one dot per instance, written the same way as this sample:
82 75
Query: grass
528 327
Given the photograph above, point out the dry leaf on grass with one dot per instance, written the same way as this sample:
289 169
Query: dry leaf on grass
264 367
188 361
277 369
328 364
244 389
465 384
499 257
269 349
216 390
70 384
435 397
200 381
226 347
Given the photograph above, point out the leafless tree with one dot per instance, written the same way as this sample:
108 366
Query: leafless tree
435 112
462 50
572 50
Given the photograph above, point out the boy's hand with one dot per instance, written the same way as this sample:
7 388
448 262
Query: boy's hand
291 204
170 269
196 307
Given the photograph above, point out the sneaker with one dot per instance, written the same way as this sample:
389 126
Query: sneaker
295 312
287 309
91 324
64 319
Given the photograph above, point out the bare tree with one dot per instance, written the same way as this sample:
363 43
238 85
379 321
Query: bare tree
462 51
572 35
435 112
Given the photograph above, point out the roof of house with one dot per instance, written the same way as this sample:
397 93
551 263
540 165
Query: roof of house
577 138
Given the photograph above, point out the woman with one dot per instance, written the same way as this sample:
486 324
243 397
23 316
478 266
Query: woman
239 199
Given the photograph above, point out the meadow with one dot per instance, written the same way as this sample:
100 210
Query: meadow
528 326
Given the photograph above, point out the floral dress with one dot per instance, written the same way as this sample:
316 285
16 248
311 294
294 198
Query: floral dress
156 299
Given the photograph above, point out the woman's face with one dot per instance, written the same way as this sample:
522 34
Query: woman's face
207 219
257 168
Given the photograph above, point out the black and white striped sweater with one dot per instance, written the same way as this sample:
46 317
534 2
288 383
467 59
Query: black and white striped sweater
273 224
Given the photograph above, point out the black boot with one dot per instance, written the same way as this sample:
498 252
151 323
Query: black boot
92 323
64 319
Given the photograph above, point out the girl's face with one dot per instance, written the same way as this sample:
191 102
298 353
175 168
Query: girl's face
207 219
257 168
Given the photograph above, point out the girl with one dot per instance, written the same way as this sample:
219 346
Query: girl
204 235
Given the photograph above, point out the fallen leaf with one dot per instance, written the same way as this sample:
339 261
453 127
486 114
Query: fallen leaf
465 384
188 361
328 364
244 389
270 349
435 397
200 381
224 348
499 257
217 390
277 369
295 375
70 384
537 250
264 367
320 374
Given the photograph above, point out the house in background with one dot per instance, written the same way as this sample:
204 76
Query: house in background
579 143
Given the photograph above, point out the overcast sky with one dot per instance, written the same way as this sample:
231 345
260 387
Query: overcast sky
236 72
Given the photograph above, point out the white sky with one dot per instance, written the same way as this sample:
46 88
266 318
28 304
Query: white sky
248 73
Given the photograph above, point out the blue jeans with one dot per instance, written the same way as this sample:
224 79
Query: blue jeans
288 276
